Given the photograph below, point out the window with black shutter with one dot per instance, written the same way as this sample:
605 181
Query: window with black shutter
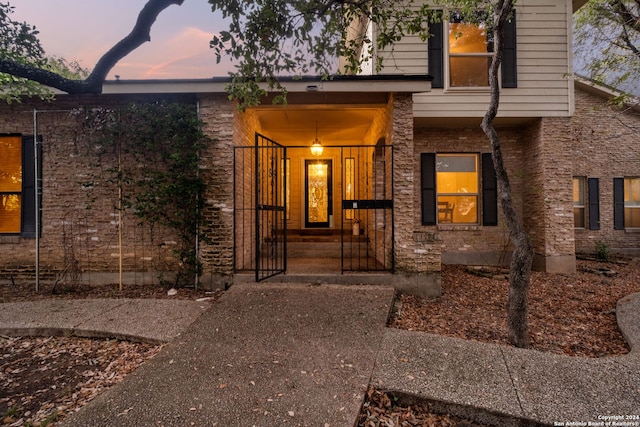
450 189
18 185
463 51
618 203
630 205
489 192
594 203
428 187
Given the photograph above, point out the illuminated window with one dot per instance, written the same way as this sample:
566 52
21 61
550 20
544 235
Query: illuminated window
457 188
10 184
632 202
460 53
578 202
470 47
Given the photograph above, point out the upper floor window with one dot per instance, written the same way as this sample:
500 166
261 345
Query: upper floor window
10 184
460 53
470 49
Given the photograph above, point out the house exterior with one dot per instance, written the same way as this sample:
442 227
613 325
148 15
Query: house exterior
606 172
401 175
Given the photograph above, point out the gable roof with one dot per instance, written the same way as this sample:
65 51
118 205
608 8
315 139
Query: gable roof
602 91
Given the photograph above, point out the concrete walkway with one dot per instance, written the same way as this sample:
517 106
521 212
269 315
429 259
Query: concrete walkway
301 355
146 320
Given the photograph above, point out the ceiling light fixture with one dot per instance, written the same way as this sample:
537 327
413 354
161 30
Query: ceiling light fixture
316 147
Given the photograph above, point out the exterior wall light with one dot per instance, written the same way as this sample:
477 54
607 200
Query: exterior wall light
316 146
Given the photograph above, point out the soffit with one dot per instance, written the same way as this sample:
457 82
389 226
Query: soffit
577 4
296 125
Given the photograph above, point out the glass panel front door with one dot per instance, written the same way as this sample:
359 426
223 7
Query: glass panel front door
318 195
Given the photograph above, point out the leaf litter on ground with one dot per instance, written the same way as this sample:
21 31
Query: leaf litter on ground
44 379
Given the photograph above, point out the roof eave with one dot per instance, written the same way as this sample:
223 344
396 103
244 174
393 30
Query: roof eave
371 84
577 4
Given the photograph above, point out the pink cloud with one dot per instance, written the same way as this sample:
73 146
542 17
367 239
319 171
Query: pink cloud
182 55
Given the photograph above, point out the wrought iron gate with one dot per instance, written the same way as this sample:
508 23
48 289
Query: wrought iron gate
260 230
367 206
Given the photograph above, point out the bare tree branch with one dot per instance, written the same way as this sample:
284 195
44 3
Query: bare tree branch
628 18
140 34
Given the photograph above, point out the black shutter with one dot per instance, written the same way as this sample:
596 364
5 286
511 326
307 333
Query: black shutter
618 203
594 203
29 187
435 52
509 66
428 188
489 192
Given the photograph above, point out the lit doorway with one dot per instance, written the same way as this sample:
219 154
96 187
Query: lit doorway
318 198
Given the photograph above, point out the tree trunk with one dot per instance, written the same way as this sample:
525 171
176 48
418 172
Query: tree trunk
522 257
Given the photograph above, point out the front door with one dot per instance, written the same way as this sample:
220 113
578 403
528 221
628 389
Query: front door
318 193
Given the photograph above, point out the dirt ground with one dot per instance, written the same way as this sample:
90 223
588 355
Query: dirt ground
44 379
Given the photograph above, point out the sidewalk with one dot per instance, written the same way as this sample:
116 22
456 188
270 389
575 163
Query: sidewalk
147 320
302 355
492 381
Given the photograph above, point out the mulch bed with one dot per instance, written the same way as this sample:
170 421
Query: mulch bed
43 379
571 314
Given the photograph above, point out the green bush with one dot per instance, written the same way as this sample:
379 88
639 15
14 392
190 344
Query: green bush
602 251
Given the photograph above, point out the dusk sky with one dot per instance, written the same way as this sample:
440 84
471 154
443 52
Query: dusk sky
82 30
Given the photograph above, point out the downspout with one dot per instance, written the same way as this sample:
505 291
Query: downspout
37 196
119 215
197 230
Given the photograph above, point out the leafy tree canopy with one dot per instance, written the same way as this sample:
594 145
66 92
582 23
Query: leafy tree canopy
607 41
267 39
271 38
19 43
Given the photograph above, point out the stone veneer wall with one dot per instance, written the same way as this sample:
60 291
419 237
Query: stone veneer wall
549 194
380 221
604 146
246 124
216 252
80 221
416 253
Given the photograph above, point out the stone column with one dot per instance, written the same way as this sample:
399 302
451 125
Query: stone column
416 255
216 166
548 199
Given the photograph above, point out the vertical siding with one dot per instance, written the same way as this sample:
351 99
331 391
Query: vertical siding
544 62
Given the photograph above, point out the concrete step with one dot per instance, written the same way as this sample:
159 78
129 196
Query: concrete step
325 249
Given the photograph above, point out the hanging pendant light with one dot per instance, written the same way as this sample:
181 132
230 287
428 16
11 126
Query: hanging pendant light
316 147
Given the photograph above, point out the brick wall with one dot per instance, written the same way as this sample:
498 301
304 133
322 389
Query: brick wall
604 146
80 206
555 245
417 253
80 218
537 159
216 253
471 244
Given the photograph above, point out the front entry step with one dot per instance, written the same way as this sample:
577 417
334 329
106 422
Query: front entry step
324 250
325 243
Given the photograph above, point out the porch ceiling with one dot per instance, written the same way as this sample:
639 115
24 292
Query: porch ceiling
337 125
